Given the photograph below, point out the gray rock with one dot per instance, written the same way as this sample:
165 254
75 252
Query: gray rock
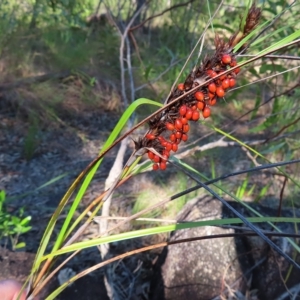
223 267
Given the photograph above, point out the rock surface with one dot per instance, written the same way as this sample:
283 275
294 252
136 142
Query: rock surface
215 268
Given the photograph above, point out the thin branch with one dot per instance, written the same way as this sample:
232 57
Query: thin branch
288 57
283 129
161 13
243 219
190 55
164 244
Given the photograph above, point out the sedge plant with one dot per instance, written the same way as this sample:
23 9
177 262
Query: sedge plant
168 128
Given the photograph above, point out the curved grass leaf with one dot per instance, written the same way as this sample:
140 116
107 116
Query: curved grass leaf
46 237
164 229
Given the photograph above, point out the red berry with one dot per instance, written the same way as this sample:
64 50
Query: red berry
164 143
150 155
178 124
212 102
237 70
180 87
150 136
211 95
199 96
155 167
232 82
186 128
225 84
168 147
178 134
172 137
174 147
194 107
163 165
189 114
182 110
226 59
165 157
211 73
233 63
206 112
184 121
170 126
220 92
212 87
200 105
167 153
196 115
184 137
178 141
222 77
156 158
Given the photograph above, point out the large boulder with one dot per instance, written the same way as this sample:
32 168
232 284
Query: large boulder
225 266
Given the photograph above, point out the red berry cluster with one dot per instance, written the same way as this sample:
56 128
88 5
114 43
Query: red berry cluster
172 126
192 98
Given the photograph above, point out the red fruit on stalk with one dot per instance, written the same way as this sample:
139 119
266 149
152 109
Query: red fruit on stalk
178 124
222 77
226 59
174 147
178 134
211 95
163 143
165 157
184 137
155 167
168 147
212 87
199 96
220 92
189 114
200 105
237 70
194 107
180 86
212 102
166 154
186 128
232 82
225 84
196 115
156 158
172 137
206 112
233 63
182 110
163 165
184 121
150 155
170 126
150 136
211 73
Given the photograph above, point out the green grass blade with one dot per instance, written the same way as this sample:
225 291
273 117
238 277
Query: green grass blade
51 181
165 229
281 43
50 227
118 128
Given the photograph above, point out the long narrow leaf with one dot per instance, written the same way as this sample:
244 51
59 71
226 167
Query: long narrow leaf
165 229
